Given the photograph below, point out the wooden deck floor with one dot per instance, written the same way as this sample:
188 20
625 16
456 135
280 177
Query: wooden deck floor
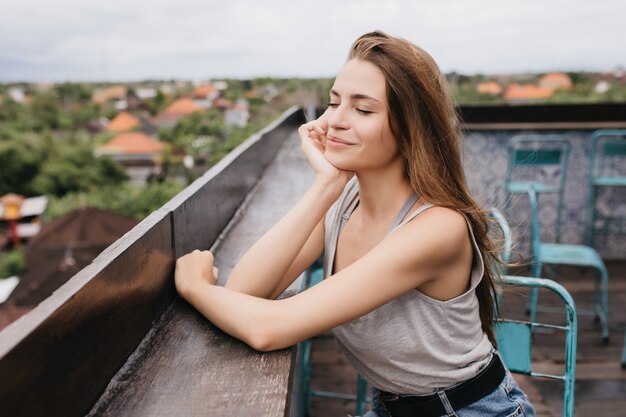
600 381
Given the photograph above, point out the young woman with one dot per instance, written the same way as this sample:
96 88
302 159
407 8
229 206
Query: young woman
409 268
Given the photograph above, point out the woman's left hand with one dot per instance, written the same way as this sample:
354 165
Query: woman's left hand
193 268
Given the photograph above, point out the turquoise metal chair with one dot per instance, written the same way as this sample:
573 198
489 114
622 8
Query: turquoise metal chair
515 338
540 161
607 168
561 254
314 275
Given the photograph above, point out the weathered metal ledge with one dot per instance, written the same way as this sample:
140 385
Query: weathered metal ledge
117 340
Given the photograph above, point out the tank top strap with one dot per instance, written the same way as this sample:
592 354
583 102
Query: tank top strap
405 209
415 213
346 214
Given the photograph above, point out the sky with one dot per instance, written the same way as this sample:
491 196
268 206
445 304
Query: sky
131 40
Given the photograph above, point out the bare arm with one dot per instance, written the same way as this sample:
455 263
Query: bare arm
288 248
411 256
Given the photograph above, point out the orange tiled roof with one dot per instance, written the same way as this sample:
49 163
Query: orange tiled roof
556 80
222 103
123 122
527 92
183 106
489 87
240 106
204 90
133 142
114 92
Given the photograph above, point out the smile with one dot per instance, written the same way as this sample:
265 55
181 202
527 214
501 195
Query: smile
336 142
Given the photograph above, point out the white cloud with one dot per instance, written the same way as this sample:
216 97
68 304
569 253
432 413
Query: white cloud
70 39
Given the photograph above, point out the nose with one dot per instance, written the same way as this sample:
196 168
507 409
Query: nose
337 118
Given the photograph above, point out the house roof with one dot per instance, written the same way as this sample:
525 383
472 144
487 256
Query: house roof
489 87
183 106
222 103
114 92
556 80
123 122
527 92
80 226
131 142
64 247
204 90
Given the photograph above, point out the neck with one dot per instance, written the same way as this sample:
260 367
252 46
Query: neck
382 192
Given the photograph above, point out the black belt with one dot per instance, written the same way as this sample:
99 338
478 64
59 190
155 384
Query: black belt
460 396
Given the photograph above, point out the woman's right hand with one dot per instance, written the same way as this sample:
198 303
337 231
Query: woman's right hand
313 141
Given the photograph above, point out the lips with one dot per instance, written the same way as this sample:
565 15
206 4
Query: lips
335 139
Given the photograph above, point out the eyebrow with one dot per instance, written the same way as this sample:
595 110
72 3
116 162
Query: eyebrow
356 96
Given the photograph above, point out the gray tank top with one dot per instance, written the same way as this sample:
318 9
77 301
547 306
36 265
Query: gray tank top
414 344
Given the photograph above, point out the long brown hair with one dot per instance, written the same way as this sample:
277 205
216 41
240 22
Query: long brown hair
424 120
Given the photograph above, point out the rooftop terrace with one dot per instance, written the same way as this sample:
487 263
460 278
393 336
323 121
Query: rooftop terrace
117 340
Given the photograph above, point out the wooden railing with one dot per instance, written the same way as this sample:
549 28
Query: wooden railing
88 347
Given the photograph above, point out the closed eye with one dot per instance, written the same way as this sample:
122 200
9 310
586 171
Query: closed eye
364 112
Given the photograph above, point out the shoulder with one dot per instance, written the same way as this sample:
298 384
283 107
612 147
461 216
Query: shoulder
444 231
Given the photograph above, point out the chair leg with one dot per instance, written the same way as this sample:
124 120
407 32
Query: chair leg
533 294
602 302
305 375
361 395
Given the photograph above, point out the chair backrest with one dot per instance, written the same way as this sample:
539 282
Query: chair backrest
607 144
536 151
535 235
515 338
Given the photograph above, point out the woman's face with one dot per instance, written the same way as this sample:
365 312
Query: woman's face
359 137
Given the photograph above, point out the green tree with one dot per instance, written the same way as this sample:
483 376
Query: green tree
78 169
128 200
20 161
12 263
47 113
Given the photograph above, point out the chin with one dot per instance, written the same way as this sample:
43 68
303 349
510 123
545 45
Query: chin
340 161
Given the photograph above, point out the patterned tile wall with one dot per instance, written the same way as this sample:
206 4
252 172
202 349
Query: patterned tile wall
486 161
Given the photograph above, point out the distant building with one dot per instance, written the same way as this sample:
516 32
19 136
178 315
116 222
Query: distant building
167 89
220 85
204 95
139 153
556 81
605 81
489 87
177 110
222 103
526 93
64 247
123 122
238 115
112 93
146 93
17 94
602 86
29 223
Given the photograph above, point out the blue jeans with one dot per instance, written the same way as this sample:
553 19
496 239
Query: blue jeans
506 400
